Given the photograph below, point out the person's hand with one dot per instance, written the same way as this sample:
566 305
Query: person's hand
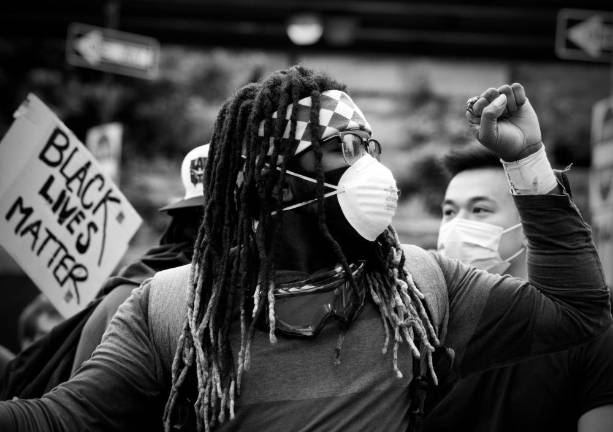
504 121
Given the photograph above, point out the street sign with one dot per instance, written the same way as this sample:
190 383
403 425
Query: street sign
583 34
601 183
112 51
104 143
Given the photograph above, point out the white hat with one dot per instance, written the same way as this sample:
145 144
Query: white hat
192 176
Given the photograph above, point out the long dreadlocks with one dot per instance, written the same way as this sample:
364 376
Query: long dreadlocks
233 264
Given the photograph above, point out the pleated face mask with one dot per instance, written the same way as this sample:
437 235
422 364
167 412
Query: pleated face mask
367 195
475 243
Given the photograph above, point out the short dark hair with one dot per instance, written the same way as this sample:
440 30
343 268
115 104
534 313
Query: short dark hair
470 156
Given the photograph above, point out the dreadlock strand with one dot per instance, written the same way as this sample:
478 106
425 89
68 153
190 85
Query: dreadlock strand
397 340
271 313
284 149
393 237
431 367
232 399
321 215
408 337
377 298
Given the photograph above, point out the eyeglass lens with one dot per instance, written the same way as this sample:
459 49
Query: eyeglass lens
353 147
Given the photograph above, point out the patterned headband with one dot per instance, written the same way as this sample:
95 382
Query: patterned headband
337 113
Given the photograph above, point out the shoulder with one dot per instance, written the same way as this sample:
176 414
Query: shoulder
424 268
172 277
167 308
168 290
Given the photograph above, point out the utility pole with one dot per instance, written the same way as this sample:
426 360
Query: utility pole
108 98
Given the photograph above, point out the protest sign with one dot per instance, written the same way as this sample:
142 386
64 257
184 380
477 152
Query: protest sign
61 218
104 143
601 183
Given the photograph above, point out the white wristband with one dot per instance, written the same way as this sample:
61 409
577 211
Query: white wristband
531 175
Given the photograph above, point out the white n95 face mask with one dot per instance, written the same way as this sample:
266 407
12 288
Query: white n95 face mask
475 243
367 195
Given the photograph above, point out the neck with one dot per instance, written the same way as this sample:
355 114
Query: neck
303 247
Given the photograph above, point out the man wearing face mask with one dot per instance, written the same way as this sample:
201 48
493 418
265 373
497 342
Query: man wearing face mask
301 311
567 391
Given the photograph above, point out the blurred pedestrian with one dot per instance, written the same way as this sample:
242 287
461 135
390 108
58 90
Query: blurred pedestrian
301 310
566 391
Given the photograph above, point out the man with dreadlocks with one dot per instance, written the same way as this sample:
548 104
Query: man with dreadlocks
301 310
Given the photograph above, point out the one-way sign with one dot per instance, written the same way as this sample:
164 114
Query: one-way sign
584 35
112 51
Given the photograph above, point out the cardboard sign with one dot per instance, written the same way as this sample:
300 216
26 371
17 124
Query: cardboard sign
61 218
104 142
602 224
602 133
601 183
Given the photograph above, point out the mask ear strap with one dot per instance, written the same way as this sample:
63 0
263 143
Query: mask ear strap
303 203
511 228
311 180
300 176
307 178
521 249
515 255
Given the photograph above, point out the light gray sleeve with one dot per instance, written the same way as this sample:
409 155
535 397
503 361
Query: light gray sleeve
121 388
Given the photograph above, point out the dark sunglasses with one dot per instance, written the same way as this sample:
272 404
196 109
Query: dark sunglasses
354 143
302 309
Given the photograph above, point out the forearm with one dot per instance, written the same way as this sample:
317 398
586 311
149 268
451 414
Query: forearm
562 259
54 412
25 416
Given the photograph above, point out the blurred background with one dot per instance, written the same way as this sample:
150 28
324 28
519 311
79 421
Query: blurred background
410 66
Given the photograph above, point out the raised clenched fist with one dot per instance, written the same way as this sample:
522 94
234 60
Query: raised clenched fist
505 122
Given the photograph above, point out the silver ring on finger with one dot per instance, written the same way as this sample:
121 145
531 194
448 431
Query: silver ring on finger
469 105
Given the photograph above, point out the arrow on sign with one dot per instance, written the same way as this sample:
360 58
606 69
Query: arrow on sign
112 51
592 35
89 46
